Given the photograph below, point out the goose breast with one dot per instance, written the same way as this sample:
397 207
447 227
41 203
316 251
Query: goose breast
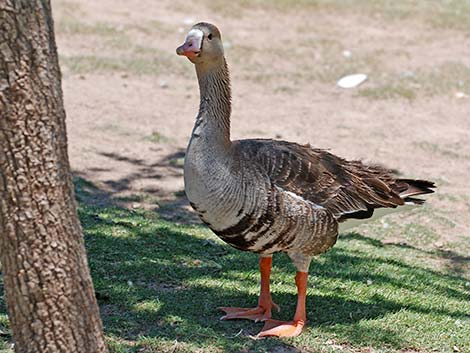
237 199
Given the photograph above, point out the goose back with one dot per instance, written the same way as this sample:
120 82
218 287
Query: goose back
348 189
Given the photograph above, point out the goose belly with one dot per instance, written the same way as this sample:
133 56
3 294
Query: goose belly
212 193
281 221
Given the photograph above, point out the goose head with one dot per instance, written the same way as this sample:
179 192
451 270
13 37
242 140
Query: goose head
203 44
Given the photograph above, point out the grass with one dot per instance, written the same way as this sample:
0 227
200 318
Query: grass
328 65
449 14
125 57
388 92
159 284
71 26
129 57
135 64
449 151
445 79
157 137
5 334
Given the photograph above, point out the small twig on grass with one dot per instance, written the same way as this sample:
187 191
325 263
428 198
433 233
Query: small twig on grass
174 347
238 334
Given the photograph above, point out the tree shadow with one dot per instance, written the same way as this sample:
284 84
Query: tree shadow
190 277
162 280
169 165
455 262
141 169
173 207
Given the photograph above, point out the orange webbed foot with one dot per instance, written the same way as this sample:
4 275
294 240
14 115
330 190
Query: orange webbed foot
256 314
281 328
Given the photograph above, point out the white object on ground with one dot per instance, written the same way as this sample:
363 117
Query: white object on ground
347 53
351 81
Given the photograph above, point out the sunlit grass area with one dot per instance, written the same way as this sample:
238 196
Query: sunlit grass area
159 285
397 285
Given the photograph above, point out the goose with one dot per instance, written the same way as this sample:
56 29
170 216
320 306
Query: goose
268 196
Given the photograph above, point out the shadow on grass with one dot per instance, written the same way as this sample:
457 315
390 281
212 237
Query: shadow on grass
455 260
159 282
164 281
167 166
172 207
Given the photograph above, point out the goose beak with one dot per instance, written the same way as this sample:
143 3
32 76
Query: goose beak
188 49
192 45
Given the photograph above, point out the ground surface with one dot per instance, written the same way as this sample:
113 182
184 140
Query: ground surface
131 103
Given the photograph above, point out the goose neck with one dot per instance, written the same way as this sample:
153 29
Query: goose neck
215 103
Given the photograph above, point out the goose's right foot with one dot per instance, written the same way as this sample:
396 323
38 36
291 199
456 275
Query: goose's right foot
263 311
260 313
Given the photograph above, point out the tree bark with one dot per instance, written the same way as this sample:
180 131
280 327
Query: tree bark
48 288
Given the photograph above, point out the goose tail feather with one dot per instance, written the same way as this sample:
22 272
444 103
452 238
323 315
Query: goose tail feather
407 188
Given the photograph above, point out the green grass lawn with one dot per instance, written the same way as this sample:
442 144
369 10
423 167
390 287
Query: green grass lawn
159 284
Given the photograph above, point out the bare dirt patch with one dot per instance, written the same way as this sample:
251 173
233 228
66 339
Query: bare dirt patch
131 101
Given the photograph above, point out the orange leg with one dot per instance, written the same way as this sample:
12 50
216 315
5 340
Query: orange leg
265 304
290 328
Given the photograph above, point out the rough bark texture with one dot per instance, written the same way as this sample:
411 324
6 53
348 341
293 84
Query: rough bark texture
48 287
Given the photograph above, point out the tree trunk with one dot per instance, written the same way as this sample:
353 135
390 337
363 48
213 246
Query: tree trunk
48 288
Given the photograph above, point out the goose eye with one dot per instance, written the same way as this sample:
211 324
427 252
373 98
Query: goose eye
209 36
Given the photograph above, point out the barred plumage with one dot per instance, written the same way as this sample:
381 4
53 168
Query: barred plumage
267 196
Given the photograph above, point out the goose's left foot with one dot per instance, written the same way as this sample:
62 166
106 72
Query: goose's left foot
290 328
281 328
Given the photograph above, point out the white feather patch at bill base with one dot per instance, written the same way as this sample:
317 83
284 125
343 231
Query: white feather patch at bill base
196 34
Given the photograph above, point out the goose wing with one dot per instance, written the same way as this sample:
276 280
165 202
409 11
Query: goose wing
348 189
